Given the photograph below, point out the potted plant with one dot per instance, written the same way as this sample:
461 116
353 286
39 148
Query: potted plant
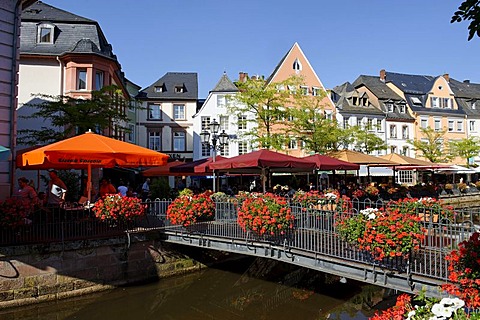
462 186
372 191
187 209
382 233
265 214
115 208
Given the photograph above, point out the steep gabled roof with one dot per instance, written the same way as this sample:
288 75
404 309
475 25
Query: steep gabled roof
302 56
187 81
40 11
225 85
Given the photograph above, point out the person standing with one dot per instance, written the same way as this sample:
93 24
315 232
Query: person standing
122 188
26 194
146 189
56 190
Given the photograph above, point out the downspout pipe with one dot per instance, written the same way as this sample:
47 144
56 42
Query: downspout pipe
13 96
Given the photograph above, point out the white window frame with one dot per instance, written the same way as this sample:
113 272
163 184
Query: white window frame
179 139
304 90
205 123
221 101
292 144
459 124
315 91
242 122
51 33
405 177
389 107
437 124
405 134
451 126
434 102
223 123
472 126
393 131
206 150
423 123
179 111
242 147
155 140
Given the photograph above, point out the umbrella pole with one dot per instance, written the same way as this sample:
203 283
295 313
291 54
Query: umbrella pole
89 183
263 180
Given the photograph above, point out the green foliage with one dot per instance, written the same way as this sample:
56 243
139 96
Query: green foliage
160 188
365 141
466 148
267 103
469 10
69 116
432 148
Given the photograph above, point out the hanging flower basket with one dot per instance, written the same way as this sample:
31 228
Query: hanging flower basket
265 214
187 210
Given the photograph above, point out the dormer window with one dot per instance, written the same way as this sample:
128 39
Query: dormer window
297 66
158 89
389 107
315 91
45 33
401 108
364 102
179 89
474 105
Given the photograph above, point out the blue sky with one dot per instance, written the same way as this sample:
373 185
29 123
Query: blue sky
342 39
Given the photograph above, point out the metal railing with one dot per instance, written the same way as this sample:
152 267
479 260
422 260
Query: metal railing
314 233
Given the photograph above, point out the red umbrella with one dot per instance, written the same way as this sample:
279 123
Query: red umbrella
196 167
162 170
262 160
328 163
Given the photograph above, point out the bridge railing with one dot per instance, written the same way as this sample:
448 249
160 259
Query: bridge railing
315 232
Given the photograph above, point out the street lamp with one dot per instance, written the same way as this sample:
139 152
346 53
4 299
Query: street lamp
211 138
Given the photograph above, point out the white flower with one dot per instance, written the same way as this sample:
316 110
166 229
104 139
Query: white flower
370 213
411 314
331 196
440 310
454 303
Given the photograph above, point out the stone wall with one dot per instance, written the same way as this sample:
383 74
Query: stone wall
36 273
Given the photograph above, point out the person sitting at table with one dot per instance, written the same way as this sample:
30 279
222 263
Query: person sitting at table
106 188
122 188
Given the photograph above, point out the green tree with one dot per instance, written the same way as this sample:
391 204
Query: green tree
365 141
267 102
469 10
69 116
466 148
432 148
308 123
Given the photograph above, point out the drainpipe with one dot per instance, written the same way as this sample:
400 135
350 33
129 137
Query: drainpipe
60 63
13 101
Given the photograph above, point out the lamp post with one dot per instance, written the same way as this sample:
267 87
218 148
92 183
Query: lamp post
214 140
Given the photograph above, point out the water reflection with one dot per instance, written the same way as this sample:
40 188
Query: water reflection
259 289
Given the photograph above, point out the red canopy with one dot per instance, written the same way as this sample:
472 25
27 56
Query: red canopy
163 170
328 163
262 159
197 166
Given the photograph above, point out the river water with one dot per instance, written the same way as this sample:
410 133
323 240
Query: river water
252 289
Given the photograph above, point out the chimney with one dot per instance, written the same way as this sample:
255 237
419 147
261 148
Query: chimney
466 81
242 76
447 77
383 75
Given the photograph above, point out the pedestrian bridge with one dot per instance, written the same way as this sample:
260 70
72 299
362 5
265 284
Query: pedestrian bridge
314 244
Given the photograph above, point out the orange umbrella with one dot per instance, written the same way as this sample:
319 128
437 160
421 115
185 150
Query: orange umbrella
88 151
